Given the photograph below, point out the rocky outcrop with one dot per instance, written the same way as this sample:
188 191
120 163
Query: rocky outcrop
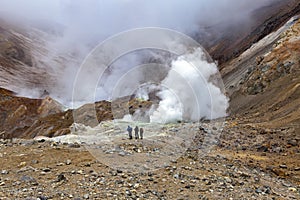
27 118
48 107
267 89
281 61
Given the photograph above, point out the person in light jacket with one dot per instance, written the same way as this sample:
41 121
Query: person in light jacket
141 133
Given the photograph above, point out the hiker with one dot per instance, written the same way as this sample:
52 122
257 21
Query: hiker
129 129
136 131
141 133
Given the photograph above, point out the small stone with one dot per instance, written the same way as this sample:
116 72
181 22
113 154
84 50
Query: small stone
68 162
42 198
28 179
87 164
128 193
278 172
267 190
277 149
46 169
292 189
43 173
59 164
86 196
60 177
4 172
22 164
176 176
74 145
122 153
262 148
113 173
228 180
34 161
283 166
34 183
285 184
2 183
258 191
293 142
54 144
150 179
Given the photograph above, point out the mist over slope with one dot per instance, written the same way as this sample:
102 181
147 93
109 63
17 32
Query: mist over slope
75 27
79 26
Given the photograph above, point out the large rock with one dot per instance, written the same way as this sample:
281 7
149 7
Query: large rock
49 106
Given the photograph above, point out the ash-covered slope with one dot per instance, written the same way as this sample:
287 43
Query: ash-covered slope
238 37
20 68
29 65
264 81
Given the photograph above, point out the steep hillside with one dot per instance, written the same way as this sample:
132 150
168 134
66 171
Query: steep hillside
27 118
264 82
239 37
29 66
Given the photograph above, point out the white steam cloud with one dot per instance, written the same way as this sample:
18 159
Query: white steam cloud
189 94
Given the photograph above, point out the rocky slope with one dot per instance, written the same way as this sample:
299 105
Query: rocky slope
47 170
239 37
27 118
264 81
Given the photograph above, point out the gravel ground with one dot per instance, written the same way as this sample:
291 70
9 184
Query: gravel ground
240 166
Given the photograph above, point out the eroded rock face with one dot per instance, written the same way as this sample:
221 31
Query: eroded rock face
281 61
239 38
268 92
24 117
28 118
12 49
16 113
48 107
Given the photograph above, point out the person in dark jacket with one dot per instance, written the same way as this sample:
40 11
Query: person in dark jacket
136 132
129 129
141 133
